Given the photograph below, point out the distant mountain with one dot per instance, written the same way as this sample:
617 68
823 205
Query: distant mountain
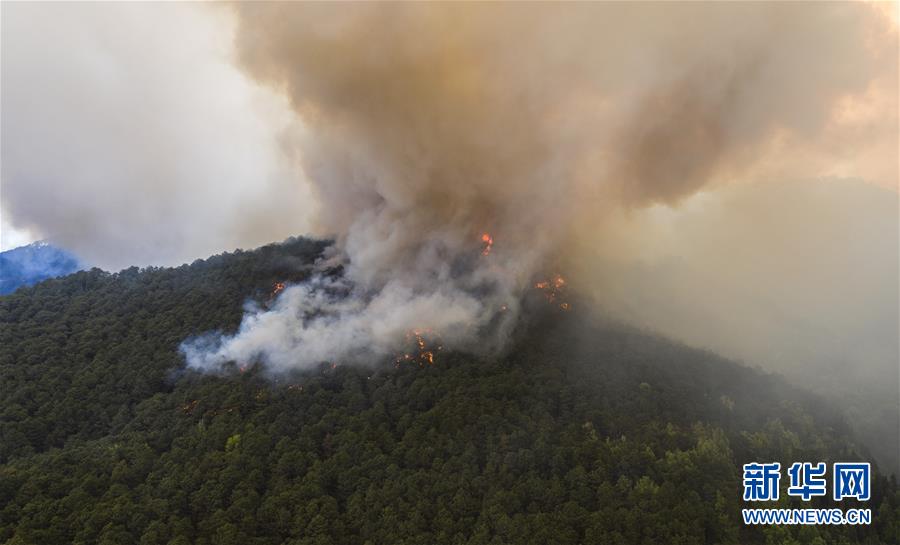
28 265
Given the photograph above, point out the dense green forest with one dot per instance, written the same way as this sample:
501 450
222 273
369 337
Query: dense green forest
584 431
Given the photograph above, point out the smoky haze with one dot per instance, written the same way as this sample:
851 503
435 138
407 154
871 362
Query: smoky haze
796 277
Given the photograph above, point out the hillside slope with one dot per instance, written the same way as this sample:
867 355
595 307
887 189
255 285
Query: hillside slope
584 431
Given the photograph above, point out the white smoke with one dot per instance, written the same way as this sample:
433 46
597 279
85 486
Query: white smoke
325 320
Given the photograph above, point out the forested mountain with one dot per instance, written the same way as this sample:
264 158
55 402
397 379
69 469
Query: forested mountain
27 265
584 431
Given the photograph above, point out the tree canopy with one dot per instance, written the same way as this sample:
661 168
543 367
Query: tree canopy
582 431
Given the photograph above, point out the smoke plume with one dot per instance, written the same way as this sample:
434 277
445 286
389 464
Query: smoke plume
429 125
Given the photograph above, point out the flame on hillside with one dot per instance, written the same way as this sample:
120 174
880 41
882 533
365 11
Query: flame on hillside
487 242
276 289
421 348
553 290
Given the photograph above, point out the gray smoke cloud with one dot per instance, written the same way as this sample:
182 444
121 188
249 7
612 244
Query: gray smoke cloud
129 137
432 124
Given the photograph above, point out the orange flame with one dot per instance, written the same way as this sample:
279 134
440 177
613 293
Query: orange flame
488 242
278 288
422 353
553 290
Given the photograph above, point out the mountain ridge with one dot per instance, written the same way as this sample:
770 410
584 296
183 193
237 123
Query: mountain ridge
33 263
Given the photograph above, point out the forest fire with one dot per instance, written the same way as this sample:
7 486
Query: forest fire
552 286
487 243
553 290
422 352
276 289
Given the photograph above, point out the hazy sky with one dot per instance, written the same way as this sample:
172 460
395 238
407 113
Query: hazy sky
129 136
